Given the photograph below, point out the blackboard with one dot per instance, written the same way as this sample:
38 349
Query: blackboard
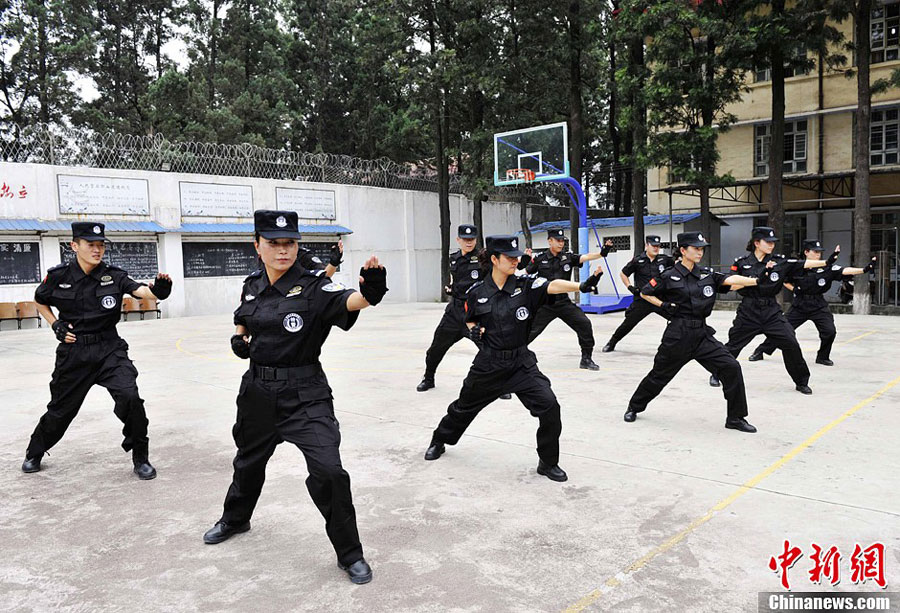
219 259
138 259
20 263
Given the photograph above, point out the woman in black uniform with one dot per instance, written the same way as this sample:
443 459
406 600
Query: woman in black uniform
687 293
285 315
809 304
500 311
760 313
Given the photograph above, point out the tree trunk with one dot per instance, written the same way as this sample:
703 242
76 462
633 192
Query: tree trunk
576 112
639 130
43 94
213 52
861 214
614 136
478 164
776 143
707 116
523 220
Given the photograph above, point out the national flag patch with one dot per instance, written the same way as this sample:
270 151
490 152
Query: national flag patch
653 282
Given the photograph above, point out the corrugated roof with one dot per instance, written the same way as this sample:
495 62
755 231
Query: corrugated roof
247 228
614 222
37 225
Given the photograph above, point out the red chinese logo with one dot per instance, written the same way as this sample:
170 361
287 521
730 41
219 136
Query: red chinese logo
865 564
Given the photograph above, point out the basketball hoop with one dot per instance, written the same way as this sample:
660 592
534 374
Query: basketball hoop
521 174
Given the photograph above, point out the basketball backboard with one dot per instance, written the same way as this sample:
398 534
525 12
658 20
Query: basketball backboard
531 154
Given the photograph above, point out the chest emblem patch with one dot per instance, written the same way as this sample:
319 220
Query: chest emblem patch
567 268
474 274
522 313
674 278
517 292
292 322
661 268
65 285
708 291
482 300
291 292
108 302
821 282
249 297
774 276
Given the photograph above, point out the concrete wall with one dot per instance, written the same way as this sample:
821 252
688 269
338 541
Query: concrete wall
401 227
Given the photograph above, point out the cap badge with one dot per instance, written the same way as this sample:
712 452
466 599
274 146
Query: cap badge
96 229
515 244
700 237
281 222
771 233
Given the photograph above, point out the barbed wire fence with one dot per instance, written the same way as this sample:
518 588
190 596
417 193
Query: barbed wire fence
74 146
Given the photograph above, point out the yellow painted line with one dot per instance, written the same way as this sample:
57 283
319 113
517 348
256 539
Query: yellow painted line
615 581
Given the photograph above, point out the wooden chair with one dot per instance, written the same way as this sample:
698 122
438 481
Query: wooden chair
28 310
129 306
149 305
8 313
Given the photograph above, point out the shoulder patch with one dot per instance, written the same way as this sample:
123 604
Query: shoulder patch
316 259
835 267
57 267
538 282
334 287
319 273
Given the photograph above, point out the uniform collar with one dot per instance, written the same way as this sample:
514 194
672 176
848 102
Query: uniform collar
78 273
284 283
684 271
509 287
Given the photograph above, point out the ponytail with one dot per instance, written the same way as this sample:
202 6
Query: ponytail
484 262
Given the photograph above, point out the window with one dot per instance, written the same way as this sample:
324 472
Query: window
674 177
620 243
765 73
794 147
883 137
885 32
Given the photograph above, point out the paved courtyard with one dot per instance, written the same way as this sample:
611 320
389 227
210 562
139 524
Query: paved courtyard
670 513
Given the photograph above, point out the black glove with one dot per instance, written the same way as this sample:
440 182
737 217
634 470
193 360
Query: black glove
832 258
524 261
590 284
604 251
634 290
475 334
161 288
240 347
870 267
669 307
60 329
373 286
334 256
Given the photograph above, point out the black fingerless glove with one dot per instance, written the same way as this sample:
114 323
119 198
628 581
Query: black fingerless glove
60 329
374 284
162 288
590 284
669 307
524 261
832 258
240 347
634 290
604 251
334 256
870 267
475 335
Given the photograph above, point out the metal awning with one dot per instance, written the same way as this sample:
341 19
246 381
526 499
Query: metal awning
38 225
247 228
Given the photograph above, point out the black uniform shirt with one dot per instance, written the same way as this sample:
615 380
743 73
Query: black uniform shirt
465 272
811 285
769 285
693 291
506 314
91 303
309 260
289 321
552 267
644 269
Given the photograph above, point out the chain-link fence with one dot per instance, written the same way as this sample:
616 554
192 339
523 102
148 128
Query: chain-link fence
69 146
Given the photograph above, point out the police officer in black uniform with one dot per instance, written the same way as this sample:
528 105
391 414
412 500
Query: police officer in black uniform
88 293
557 263
465 271
500 311
644 267
285 315
310 261
687 293
809 288
759 312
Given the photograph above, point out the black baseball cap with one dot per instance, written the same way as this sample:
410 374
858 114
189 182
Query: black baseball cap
812 244
692 239
505 244
557 234
276 224
764 233
654 240
467 231
88 230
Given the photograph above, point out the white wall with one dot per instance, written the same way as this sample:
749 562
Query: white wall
401 227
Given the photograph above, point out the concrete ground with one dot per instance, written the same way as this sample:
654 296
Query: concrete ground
672 512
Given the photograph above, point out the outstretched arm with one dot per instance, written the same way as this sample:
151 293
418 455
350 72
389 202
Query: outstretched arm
372 286
604 251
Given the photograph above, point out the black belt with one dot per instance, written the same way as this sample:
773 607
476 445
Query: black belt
689 323
279 373
759 301
504 354
91 339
